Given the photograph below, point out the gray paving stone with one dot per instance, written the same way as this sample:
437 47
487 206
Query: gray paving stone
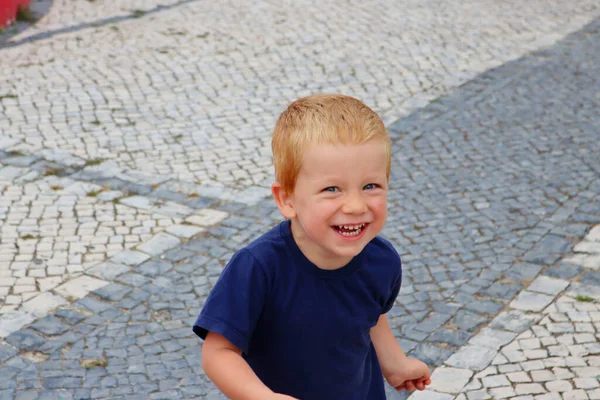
113 292
485 307
178 254
25 340
468 321
154 268
430 354
563 271
432 322
591 278
50 326
71 316
455 338
132 279
93 305
503 291
54 395
523 271
6 352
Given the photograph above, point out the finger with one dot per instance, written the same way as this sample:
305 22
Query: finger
401 387
428 381
409 386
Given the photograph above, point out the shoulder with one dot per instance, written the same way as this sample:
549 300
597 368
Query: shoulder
382 249
382 259
265 250
269 243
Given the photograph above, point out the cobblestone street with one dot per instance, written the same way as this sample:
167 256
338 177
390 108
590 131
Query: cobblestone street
135 159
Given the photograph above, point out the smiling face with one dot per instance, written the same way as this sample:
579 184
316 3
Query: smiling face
339 202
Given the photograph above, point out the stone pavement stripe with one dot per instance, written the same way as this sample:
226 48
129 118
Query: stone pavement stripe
555 355
107 174
545 251
35 280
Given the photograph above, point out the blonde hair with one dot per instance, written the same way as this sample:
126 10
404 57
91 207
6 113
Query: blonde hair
321 119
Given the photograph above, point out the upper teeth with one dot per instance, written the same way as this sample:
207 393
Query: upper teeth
353 226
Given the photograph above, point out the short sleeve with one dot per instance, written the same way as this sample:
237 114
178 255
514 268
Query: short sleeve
396 283
235 303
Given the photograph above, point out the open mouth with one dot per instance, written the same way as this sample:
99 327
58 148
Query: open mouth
349 230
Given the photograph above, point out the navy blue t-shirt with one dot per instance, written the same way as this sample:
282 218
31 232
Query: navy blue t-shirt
304 330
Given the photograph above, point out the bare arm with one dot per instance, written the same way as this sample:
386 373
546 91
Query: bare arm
223 363
399 370
387 348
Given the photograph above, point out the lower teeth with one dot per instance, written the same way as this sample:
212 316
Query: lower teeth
355 233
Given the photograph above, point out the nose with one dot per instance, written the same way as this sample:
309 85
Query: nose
355 204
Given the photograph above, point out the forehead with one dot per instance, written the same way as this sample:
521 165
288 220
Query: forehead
327 160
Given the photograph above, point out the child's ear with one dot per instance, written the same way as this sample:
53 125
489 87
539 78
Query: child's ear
283 200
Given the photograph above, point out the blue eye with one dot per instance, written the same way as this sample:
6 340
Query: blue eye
330 189
370 186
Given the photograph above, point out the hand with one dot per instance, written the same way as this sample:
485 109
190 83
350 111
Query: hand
410 375
278 396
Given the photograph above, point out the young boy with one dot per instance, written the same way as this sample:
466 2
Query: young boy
299 312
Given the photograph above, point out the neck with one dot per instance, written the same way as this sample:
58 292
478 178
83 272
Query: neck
313 252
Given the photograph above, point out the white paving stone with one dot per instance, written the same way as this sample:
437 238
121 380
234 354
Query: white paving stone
492 338
80 286
546 285
43 303
514 321
108 271
206 217
594 234
475 358
495 381
130 257
430 395
184 231
588 247
530 301
449 380
501 392
159 244
529 388
12 321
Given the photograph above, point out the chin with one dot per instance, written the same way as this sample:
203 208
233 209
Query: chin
352 252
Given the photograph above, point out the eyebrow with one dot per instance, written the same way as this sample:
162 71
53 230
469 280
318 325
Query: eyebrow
328 178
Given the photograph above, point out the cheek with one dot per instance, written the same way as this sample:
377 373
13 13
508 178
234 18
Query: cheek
379 206
321 213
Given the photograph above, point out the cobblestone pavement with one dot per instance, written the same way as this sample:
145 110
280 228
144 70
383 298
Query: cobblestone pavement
133 163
